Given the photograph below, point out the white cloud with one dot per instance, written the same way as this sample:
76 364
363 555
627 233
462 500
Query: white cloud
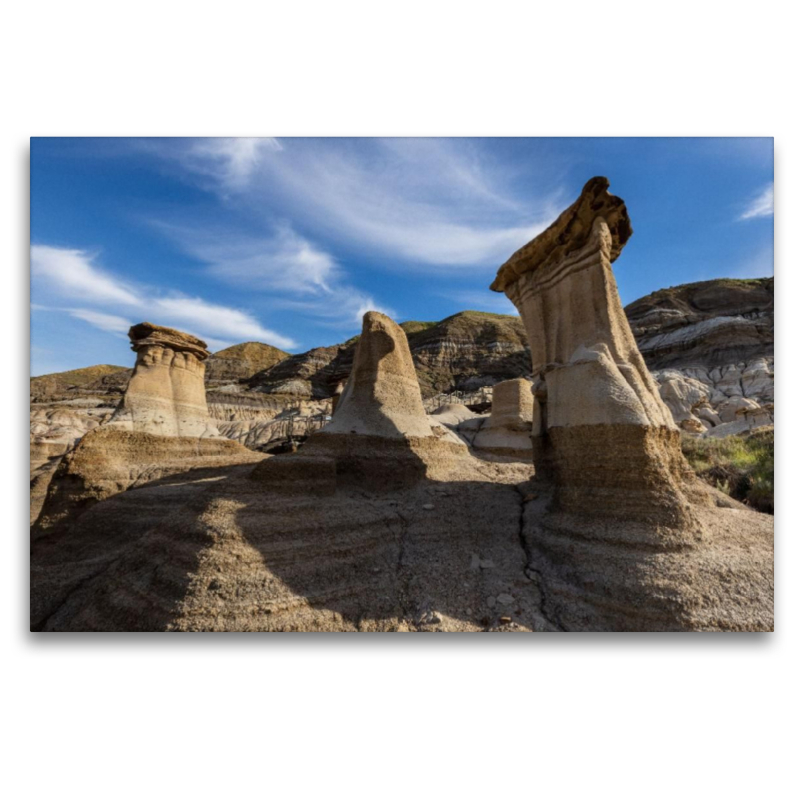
293 270
761 206
224 164
106 322
194 314
424 201
75 275
279 261
340 308
59 274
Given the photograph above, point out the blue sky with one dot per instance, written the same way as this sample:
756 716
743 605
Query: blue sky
289 241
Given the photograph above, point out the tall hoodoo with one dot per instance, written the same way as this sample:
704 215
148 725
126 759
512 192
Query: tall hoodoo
382 397
166 395
380 435
605 435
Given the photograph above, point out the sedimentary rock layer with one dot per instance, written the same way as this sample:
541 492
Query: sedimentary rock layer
380 435
241 361
589 373
507 432
463 352
621 530
109 460
166 395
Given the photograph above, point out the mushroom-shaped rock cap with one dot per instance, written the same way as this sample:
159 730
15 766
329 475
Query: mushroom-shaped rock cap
570 232
146 333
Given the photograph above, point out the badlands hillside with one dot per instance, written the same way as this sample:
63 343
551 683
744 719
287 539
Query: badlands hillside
709 345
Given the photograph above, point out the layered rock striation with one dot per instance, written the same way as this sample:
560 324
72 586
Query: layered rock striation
710 346
460 353
381 522
711 323
161 427
237 364
379 435
620 534
508 430
166 394
606 436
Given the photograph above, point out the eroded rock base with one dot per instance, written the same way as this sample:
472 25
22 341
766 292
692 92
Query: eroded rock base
109 460
604 575
625 472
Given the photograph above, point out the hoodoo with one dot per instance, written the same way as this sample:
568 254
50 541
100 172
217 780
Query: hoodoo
166 395
160 430
507 432
379 435
622 535
606 435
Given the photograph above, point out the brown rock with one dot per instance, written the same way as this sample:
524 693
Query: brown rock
380 435
507 432
166 395
241 361
592 378
624 542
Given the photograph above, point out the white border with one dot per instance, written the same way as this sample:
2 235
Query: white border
602 715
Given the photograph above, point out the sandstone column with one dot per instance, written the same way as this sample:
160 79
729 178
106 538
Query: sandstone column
507 432
607 438
166 395
380 436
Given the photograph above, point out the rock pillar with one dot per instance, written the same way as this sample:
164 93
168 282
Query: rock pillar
166 395
380 435
507 432
606 437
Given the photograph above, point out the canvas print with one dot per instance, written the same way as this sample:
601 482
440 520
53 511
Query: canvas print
421 385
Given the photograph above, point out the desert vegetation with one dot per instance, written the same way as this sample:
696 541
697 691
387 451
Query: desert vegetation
741 466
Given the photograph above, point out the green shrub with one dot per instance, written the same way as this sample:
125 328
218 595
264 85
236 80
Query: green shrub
741 466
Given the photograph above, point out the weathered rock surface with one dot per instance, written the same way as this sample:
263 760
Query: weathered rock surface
369 530
330 539
621 537
463 352
241 362
295 423
166 395
705 401
70 542
707 344
72 383
711 323
592 383
675 328
507 431
242 554
380 435
165 398
467 351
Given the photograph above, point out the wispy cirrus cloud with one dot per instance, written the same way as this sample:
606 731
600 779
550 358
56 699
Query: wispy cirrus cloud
111 323
75 275
287 267
229 162
425 202
278 260
61 274
763 205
